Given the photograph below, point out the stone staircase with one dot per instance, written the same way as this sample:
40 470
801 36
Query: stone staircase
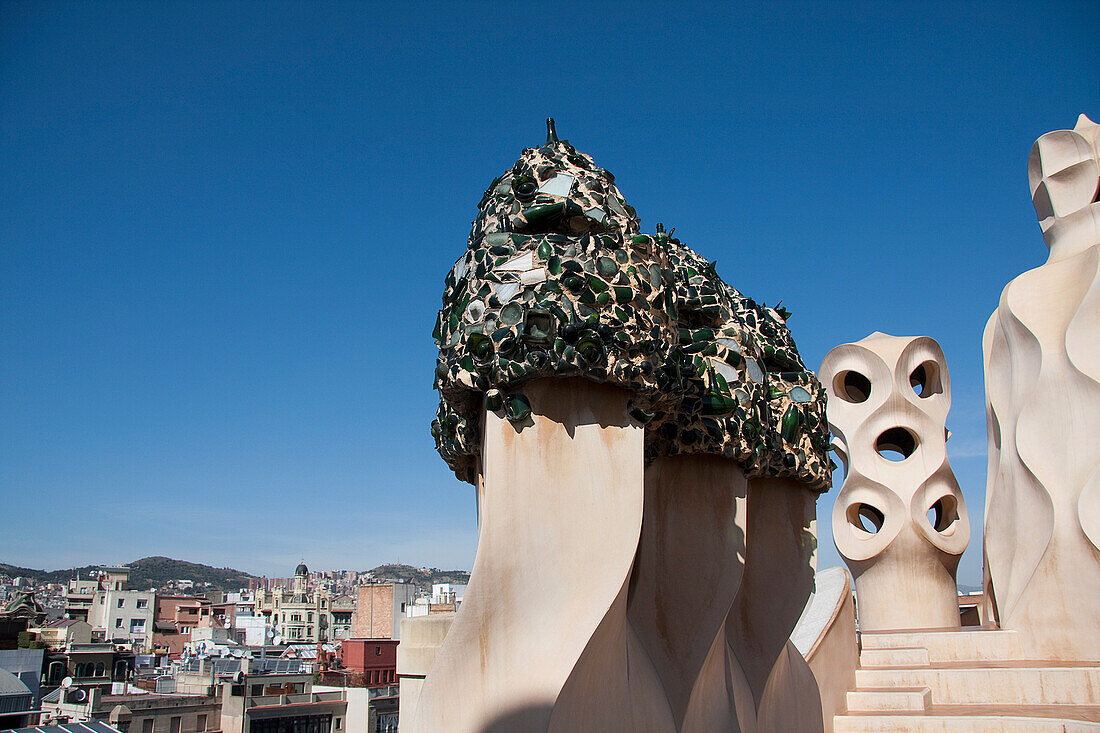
966 681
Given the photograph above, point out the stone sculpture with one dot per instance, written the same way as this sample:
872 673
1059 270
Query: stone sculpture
899 521
557 281
647 448
1042 367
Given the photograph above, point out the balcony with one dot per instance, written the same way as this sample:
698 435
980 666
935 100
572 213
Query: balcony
309 698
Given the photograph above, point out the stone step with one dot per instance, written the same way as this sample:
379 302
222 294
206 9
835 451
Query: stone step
1066 719
949 646
984 685
890 699
895 657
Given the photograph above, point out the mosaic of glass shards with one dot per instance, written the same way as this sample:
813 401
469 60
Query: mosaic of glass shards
558 281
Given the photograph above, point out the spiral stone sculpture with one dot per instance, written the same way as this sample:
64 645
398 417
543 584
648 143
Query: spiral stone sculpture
1042 368
900 521
647 449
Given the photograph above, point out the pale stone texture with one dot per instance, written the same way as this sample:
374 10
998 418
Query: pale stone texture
1042 356
886 394
602 599
826 637
975 681
421 638
754 679
561 513
782 542
686 573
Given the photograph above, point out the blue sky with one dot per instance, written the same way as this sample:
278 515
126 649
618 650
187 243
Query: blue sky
224 230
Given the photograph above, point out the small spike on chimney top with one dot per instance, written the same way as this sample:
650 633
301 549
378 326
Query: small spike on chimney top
551 133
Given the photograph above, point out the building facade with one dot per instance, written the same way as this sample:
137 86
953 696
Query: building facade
278 703
134 713
301 614
124 617
380 608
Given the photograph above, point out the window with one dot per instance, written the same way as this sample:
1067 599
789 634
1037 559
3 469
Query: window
200 722
80 669
100 670
118 623
174 724
378 651
121 602
257 690
142 603
339 722
297 724
147 725
309 617
137 626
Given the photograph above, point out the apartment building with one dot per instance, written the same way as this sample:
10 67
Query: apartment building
124 617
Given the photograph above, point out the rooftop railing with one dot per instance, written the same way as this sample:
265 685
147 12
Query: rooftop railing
301 699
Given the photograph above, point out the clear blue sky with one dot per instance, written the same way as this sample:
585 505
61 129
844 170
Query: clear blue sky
224 230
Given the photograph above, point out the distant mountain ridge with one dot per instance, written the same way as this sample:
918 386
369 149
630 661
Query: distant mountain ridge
148 572
424 577
157 571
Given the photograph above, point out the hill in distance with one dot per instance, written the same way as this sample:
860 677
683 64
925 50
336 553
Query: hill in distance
423 577
148 572
156 572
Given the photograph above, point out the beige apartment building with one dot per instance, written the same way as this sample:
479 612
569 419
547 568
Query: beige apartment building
124 617
277 703
60 634
304 615
80 592
133 713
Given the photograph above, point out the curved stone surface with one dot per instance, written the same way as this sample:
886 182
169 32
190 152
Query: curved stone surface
689 566
826 637
1042 356
577 354
753 678
561 515
899 521
557 281
831 587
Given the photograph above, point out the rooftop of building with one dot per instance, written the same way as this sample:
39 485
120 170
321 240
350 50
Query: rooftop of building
96 726
62 623
10 685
